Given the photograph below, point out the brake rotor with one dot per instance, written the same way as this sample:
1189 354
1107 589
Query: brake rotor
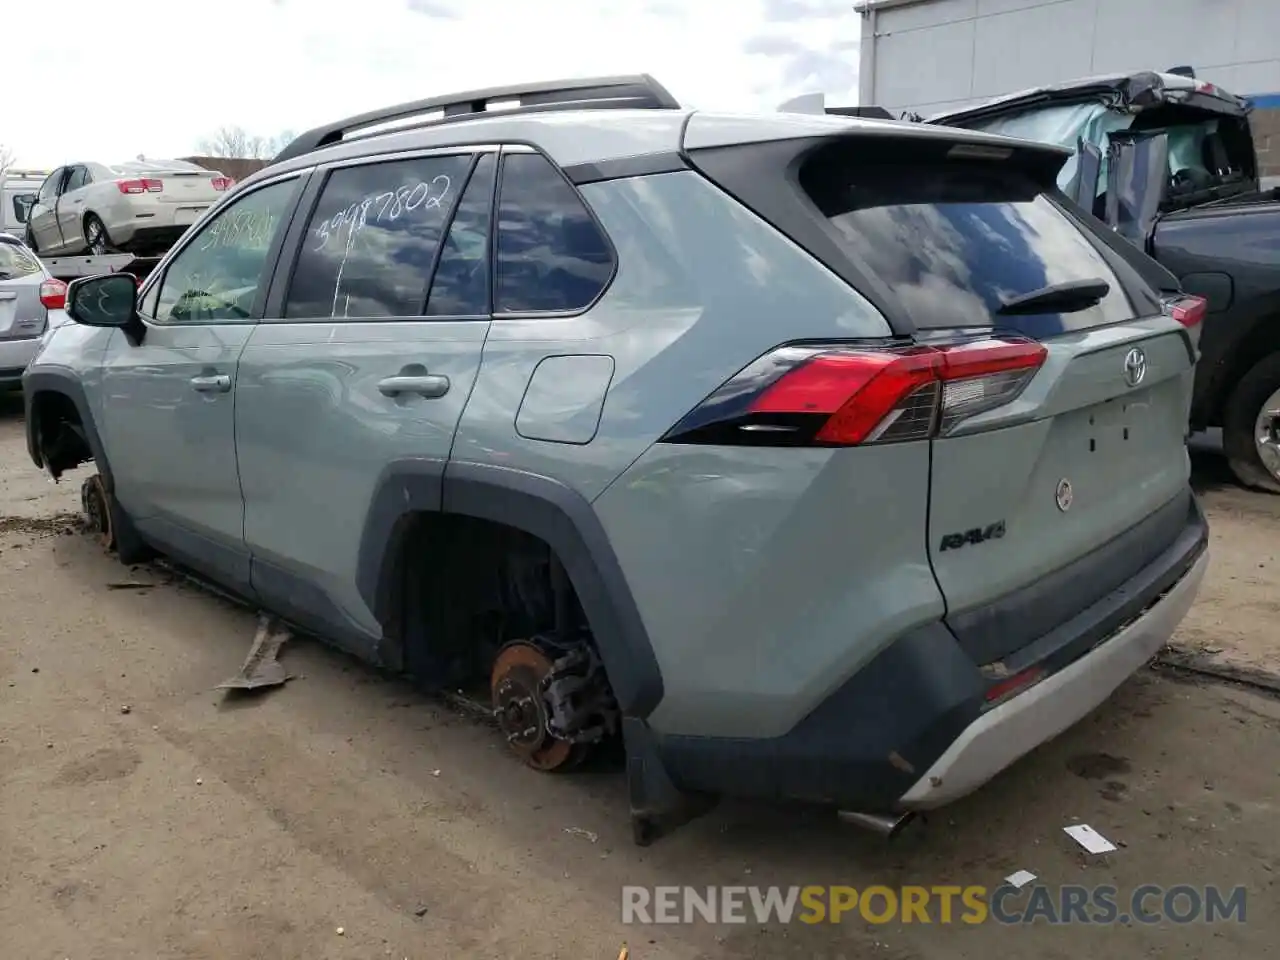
97 512
520 709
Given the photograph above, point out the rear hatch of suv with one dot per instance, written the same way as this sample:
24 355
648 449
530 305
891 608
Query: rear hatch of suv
1058 469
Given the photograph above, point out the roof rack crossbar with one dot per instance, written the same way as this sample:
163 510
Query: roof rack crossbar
638 91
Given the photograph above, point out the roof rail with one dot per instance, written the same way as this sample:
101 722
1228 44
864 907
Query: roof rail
639 91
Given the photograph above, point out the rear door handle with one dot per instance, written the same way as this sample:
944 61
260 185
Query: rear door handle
219 383
430 386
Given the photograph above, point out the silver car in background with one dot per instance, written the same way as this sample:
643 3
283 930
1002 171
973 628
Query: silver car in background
139 206
31 301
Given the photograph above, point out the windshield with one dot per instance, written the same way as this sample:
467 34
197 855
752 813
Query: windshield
16 262
1200 151
140 167
1064 126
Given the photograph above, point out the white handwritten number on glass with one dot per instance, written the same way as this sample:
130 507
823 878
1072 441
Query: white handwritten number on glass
246 229
390 206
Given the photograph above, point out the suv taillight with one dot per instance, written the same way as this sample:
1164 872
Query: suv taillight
1187 310
53 295
147 185
843 395
222 183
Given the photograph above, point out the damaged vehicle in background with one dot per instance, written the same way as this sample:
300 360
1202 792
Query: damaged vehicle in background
1169 162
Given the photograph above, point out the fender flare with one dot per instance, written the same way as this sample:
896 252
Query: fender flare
538 505
36 382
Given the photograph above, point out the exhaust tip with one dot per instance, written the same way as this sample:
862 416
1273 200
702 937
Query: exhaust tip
887 825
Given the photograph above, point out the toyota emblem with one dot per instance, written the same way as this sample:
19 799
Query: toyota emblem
1135 366
1064 495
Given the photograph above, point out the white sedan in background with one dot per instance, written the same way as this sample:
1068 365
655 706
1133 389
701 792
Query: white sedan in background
142 206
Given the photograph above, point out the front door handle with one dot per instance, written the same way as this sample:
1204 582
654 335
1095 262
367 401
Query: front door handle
218 383
430 386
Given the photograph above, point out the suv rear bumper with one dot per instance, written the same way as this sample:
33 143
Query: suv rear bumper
1013 728
912 729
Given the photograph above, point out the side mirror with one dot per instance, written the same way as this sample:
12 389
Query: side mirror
105 301
24 202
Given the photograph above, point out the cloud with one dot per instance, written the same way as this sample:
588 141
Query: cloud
433 8
272 65
813 46
791 10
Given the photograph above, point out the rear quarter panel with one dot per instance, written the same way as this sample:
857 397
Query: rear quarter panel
703 287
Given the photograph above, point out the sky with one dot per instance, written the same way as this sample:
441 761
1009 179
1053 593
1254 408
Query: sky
271 66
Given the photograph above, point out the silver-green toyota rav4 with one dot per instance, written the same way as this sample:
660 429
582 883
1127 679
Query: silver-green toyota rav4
819 457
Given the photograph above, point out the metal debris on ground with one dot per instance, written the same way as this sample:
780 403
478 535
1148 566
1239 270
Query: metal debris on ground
579 832
1020 878
261 668
1089 838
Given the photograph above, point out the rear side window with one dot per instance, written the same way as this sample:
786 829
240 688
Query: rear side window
370 247
15 262
955 240
552 257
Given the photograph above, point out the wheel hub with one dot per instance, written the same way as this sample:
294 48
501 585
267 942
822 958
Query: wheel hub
97 512
521 710
1267 435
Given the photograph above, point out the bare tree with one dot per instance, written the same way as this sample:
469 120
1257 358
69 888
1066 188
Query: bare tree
237 143
6 159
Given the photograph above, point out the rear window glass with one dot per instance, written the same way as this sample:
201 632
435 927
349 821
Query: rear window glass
16 262
955 241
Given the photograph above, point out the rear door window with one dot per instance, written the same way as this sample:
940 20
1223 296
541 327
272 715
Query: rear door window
955 240
552 256
370 248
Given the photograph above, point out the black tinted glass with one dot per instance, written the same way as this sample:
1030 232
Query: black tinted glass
461 284
955 241
372 240
551 254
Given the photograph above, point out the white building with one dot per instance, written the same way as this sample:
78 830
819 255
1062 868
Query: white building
929 56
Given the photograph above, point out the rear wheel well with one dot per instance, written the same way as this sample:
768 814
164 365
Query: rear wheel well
463 586
61 438
475 602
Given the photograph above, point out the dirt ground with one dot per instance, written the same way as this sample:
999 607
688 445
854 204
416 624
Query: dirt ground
187 827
